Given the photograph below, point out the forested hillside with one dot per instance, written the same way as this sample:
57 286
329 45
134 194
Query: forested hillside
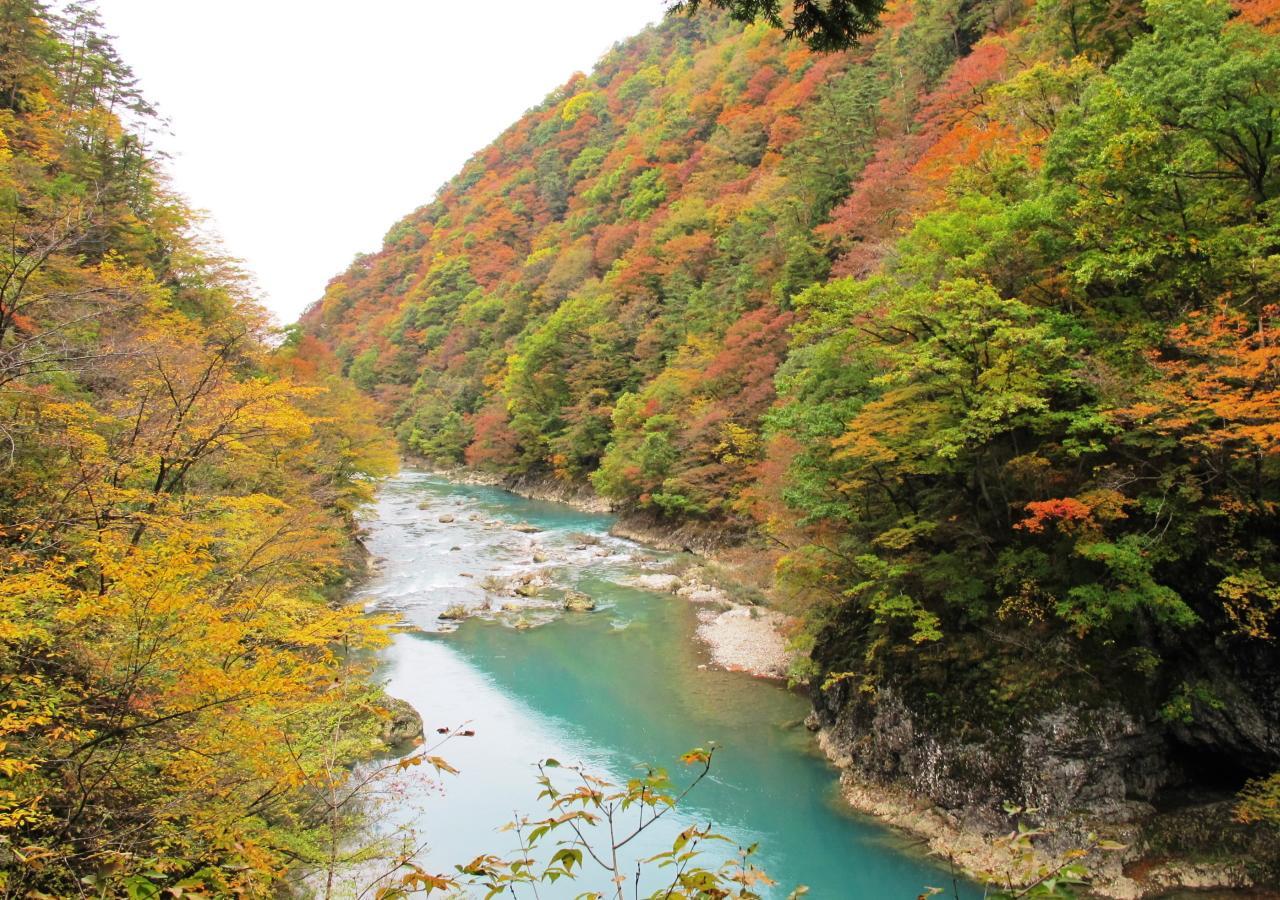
972 327
177 689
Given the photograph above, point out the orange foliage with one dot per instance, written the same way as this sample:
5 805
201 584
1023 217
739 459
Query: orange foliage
1220 383
1263 13
1066 512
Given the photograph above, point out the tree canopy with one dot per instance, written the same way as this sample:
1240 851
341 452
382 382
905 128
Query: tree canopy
822 25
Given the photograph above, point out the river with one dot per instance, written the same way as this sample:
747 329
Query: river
613 688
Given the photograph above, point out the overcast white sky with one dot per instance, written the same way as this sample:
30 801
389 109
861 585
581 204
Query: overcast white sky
306 129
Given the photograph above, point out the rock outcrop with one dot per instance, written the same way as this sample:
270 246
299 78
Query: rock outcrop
1077 769
403 724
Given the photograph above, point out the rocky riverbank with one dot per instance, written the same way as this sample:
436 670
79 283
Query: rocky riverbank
1080 777
1083 769
741 637
1137 872
704 539
576 494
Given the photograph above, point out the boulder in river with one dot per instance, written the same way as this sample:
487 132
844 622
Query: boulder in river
402 723
525 528
454 613
446 519
576 601
656 581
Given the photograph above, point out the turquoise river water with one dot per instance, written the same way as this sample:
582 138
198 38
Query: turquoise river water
610 689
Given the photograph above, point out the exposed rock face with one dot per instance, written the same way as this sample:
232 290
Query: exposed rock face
1083 770
1238 716
572 493
403 725
1066 763
703 538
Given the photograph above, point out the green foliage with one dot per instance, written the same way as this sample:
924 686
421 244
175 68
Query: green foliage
832 25
645 194
436 432
590 823
1260 801
1168 166
975 323
177 502
363 371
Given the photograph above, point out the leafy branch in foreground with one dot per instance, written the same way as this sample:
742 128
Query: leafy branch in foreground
591 821
1026 874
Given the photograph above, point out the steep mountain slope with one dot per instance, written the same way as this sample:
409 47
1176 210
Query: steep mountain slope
970 329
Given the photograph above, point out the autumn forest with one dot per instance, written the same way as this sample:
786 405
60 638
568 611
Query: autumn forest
950 328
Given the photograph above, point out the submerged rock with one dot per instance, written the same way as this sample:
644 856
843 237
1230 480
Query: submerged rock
525 528
576 601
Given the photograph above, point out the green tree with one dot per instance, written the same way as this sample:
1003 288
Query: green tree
824 25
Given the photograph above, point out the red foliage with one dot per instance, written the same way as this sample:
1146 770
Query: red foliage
612 241
493 443
871 213
1065 511
744 367
759 85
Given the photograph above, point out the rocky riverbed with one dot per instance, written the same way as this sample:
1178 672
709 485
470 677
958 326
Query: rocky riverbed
540 634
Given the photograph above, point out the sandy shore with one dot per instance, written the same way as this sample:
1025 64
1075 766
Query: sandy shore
741 637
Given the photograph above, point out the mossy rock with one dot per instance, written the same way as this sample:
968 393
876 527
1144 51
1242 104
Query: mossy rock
576 601
402 723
